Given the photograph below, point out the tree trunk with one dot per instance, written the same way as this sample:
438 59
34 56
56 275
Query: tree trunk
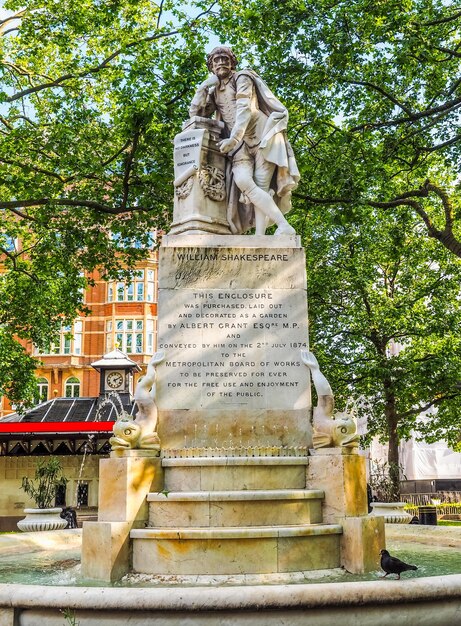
393 453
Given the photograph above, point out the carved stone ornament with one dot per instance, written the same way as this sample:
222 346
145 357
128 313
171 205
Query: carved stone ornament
331 430
184 190
212 181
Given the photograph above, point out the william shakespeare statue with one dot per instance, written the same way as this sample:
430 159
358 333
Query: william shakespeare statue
261 169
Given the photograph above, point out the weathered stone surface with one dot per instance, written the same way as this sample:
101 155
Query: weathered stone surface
235 550
219 509
231 323
220 476
362 539
124 483
200 190
434 601
7 617
105 550
343 478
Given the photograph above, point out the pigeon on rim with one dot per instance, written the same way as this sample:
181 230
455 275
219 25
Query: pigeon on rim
392 565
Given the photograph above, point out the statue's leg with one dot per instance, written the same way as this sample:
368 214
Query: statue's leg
262 175
245 172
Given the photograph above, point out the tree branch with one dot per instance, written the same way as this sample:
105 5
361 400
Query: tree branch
13 259
11 18
428 405
94 70
34 168
382 92
128 166
89 204
451 105
442 20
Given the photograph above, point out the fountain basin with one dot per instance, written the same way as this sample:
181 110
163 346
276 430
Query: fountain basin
427 600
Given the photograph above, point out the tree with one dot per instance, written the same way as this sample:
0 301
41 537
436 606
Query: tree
385 320
374 95
91 95
373 91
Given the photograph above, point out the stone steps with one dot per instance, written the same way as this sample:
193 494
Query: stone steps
234 473
236 550
235 515
235 508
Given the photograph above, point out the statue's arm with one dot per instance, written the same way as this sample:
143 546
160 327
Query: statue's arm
202 103
243 96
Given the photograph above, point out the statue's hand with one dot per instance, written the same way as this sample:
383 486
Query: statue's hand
309 359
157 358
226 145
211 81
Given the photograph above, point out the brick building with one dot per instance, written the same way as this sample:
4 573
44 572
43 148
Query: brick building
123 315
67 420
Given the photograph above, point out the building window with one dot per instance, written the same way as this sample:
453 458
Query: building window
42 391
132 336
140 287
69 342
129 335
72 387
150 331
60 499
82 494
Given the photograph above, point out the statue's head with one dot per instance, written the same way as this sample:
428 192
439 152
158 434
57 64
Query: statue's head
221 61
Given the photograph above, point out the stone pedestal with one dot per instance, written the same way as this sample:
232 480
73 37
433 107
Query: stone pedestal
232 321
124 482
200 204
341 474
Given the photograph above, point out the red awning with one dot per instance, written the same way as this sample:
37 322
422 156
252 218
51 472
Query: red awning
55 427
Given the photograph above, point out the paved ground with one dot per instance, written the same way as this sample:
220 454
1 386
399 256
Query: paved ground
15 543
449 536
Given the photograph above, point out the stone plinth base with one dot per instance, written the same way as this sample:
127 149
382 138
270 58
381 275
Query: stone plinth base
340 473
124 482
105 550
362 540
232 321
217 551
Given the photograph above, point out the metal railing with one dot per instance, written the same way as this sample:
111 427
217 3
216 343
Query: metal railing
422 499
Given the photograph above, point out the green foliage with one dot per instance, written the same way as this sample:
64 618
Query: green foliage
373 95
385 323
91 95
48 477
69 616
384 481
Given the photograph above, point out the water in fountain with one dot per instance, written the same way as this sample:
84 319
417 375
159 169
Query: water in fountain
114 400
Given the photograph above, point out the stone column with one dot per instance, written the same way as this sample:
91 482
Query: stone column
125 479
200 204
341 473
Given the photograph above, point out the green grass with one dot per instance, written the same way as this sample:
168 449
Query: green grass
445 522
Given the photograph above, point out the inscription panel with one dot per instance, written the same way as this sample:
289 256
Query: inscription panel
187 151
232 347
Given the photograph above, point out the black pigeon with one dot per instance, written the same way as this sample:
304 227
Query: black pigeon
392 565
